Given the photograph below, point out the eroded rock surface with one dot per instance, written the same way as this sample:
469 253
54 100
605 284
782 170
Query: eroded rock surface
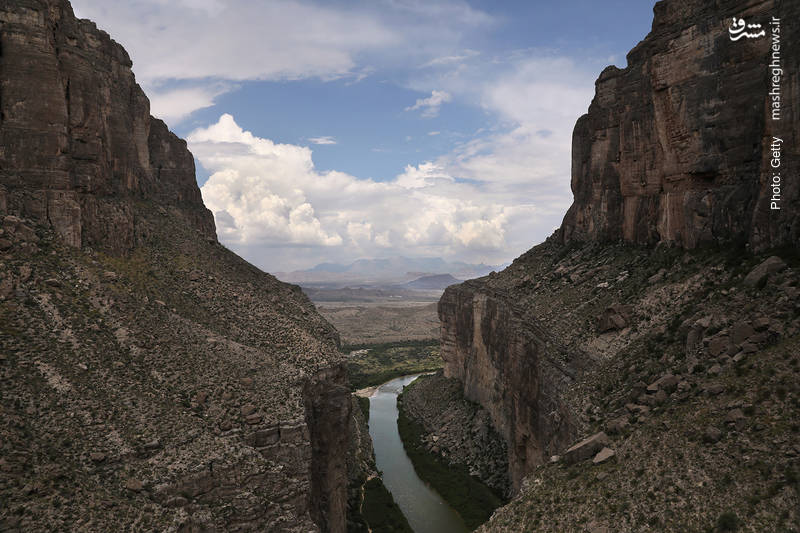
511 367
677 146
79 146
152 380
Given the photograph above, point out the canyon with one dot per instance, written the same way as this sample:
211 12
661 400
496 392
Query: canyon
638 370
151 377
646 280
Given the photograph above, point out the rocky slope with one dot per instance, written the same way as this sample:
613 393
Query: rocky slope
459 432
151 379
692 377
674 353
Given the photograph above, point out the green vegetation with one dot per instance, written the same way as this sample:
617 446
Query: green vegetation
728 522
380 511
363 404
382 362
473 500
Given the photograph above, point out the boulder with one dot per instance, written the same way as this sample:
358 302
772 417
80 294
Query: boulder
712 435
760 273
617 425
603 455
615 317
761 323
133 485
718 345
97 457
667 383
736 417
741 331
586 448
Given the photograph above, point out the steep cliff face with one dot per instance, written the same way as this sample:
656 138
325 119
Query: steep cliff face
508 365
328 411
152 380
677 146
79 144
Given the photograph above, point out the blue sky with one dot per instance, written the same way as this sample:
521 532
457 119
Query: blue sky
331 131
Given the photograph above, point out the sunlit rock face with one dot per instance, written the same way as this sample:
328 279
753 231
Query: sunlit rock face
508 366
678 147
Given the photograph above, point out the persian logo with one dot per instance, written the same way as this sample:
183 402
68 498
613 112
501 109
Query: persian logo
738 27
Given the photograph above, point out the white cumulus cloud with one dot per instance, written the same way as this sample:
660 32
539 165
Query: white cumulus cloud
268 197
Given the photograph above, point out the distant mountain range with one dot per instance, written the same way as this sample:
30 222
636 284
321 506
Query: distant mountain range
395 270
432 282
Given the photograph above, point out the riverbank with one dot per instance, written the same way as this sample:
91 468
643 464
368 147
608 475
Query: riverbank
370 507
440 464
371 365
425 509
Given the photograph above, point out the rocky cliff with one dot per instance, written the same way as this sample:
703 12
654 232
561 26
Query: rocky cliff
582 333
79 146
678 146
152 380
512 367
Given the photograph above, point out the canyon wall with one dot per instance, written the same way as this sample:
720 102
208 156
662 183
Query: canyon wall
677 146
155 380
510 367
79 146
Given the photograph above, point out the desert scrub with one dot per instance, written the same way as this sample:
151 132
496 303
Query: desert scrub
379 363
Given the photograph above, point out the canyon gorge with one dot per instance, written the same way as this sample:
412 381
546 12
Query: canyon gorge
636 371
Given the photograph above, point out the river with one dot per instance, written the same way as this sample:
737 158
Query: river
425 510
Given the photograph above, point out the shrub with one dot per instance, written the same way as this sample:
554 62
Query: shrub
728 522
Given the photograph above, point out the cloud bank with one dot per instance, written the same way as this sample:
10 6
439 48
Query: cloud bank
487 197
211 44
266 195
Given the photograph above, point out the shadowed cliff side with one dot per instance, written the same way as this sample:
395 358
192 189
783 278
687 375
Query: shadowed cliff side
151 379
675 149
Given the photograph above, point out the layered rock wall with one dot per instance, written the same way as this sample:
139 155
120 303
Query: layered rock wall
507 365
79 146
210 395
677 146
328 413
